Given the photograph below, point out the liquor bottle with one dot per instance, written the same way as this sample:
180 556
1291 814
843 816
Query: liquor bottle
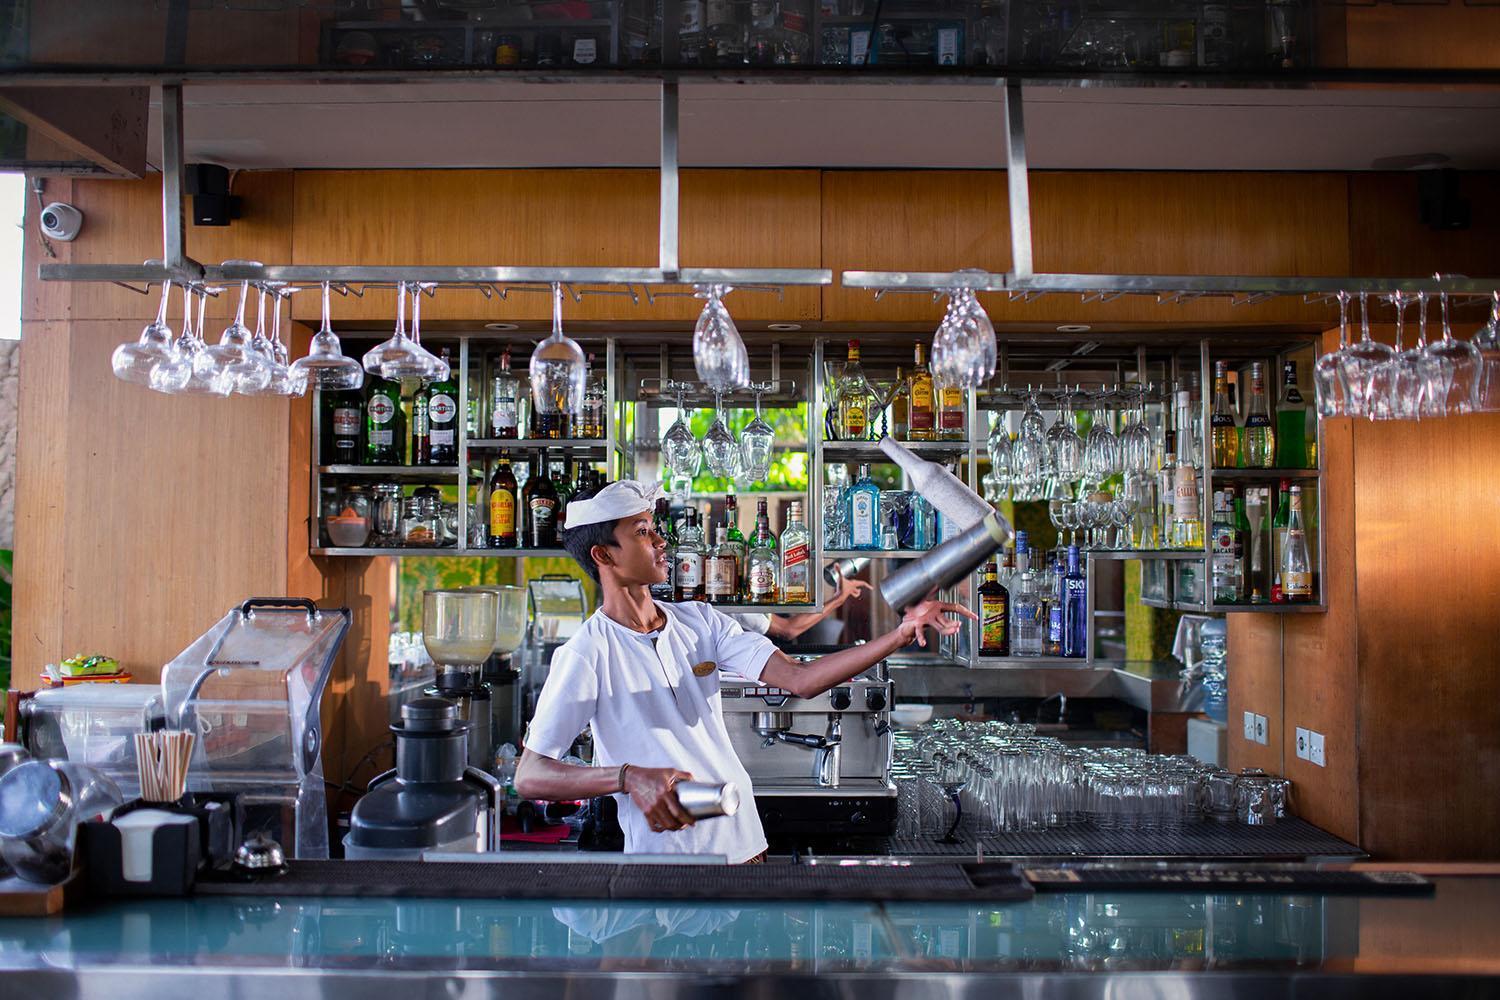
951 413
1226 437
923 417
1291 423
1075 607
1260 436
726 34
736 539
564 490
1242 544
719 573
690 39
588 484
900 407
689 558
1166 497
763 567
1007 574
796 570
1278 539
419 429
1258 547
763 526
503 534
1187 512
442 420
1026 627
661 521
1296 563
864 512
385 422
541 507
854 399
343 413
505 401
1056 607
591 422
1225 570
994 615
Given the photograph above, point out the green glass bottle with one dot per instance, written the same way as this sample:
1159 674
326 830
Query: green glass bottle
385 422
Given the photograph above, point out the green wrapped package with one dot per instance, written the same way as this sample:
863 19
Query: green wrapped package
89 666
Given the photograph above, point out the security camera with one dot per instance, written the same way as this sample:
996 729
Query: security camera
61 222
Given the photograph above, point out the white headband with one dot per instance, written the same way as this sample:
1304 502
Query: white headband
625 498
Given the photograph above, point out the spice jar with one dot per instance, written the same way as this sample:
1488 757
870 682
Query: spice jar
419 521
387 514
350 526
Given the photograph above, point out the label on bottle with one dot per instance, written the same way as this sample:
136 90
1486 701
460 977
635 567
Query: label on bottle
720 12
862 519
691 13
441 408
502 514
689 571
1258 420
1055 625
382 409
720 573
503 417
382 439
854 421
543 521
859 46
952 417
1185 494
346 421
439 439
585 51
762 581
921 406
994 615
947 46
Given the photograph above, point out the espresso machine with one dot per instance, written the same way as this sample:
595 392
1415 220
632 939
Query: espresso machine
458 629
820 766
501 673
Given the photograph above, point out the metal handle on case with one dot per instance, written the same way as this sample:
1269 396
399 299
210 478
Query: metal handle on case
280 602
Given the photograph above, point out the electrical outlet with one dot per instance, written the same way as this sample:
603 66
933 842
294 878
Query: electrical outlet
1250 726
1315 749
1260 729
1302 743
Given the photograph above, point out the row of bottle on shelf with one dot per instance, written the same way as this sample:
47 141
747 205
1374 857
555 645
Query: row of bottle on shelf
1253 562
531 515
910 407
1249 437
383 424
1034 603
728 568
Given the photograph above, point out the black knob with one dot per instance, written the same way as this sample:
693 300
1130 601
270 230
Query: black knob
838 699
874 699
858 819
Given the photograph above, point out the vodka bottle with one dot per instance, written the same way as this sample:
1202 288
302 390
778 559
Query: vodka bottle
1075 607
1026 607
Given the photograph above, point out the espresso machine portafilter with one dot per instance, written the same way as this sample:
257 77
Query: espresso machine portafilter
946 564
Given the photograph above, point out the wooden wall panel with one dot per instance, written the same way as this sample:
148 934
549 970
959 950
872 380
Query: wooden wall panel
1387 236
1451 36
1154 223
1428 560
594 218
1255 657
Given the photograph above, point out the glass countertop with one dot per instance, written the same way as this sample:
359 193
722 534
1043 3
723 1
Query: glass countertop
1457 930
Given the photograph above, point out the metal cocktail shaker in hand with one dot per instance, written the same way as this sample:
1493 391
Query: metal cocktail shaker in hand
704 799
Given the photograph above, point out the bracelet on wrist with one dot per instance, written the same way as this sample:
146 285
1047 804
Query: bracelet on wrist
623 768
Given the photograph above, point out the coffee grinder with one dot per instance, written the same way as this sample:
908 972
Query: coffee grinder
501 673
458 629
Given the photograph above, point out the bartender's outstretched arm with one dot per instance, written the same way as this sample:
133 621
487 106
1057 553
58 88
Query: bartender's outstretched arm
806 680
653 789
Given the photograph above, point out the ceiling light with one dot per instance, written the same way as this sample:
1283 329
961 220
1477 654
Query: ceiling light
1073 328
502 326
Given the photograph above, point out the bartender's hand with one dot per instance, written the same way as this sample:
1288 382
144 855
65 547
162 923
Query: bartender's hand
654 792
934 615
848 589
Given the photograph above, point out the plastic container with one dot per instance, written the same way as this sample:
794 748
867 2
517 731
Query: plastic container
94 724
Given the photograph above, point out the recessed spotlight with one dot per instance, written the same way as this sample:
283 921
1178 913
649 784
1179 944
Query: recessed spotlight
784 327
1073 328
502 326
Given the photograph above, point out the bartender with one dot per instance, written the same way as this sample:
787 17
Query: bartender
645 677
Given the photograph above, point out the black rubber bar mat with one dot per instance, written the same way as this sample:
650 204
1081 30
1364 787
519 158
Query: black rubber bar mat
1116 878
1289 839
441 880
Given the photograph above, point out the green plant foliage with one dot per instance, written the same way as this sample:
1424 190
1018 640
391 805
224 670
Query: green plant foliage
789 472
419 573
7 560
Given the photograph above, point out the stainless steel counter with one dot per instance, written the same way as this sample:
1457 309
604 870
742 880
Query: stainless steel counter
1079 944
1151 686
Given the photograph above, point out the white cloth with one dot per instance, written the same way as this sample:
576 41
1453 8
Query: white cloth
625 498
647 707
754 621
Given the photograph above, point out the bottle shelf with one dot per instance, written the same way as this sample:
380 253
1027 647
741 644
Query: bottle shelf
450 551
1131 554
843 451
1256 609
1002 662
764 609
539 444
404 473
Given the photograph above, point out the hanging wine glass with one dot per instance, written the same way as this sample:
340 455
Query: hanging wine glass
720 450
679 447
1031 460
1412 372
559 368
171 375
325 366
1383 405
206 379
757 442
1359 361
719 352
437 370
399 357
134 361
1137 444
211 365
1460 362
999 447
1487 340
964 350
251 375
1327 382
283 382
1101 450
1065 445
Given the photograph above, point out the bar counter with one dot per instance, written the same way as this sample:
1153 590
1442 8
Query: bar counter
1085 944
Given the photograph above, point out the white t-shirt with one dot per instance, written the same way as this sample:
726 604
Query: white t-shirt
648 708
754 621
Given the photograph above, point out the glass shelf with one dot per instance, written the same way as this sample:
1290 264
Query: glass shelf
538 444
874 553
406 473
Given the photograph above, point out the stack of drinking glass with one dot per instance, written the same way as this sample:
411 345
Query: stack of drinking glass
958 780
